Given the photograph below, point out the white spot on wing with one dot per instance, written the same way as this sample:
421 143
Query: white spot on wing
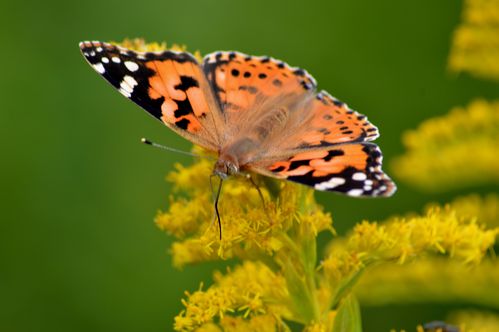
131 66
359 176
99 67
99 49
115 59
355 192
330 184
104 59
130 80
127 85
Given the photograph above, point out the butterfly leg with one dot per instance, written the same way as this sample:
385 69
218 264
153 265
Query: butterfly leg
257 187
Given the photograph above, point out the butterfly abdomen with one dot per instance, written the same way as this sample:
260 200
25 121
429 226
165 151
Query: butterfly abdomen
274 121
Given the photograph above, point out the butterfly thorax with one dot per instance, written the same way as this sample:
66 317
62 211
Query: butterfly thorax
245 145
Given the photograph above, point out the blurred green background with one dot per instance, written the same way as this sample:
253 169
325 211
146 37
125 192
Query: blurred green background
78 247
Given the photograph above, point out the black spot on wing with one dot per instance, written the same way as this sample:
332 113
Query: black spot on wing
182 124
333 153
278 169
297 163
186 82
184 108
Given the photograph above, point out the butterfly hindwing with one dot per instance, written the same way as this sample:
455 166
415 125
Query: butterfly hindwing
168 85
333 122
352 169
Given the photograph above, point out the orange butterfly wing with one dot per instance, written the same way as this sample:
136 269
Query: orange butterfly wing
240 80
324 142
170 86
244 83
321 143
352 169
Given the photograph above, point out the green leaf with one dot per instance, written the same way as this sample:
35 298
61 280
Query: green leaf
345 286
348 316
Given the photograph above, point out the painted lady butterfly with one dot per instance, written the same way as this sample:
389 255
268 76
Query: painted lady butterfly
258 113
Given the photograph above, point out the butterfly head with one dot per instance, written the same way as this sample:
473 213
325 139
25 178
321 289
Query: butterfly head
225 166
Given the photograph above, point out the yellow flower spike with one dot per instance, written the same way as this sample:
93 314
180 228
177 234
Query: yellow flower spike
248 229
476 321
191 178
316 327
264 294
400 239
475 47
140 45
263 323
184 217
432 279
210 327
454 150
484 209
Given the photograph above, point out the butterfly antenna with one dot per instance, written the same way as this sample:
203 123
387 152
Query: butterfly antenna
167 148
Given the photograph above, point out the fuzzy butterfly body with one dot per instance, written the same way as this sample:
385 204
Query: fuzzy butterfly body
258 113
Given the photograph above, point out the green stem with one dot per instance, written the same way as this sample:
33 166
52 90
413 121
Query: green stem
300 276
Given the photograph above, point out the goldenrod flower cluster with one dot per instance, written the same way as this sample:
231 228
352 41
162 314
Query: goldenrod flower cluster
271 228
453 151
250 295
250 227
485 209
431 280
276 243
140 45
439 231
475 47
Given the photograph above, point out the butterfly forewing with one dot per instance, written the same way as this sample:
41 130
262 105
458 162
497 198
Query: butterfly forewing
169 85
241 82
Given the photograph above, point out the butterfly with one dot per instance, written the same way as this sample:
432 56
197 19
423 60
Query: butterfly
257 113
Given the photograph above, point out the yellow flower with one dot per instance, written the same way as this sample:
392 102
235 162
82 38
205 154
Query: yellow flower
484 209
433 279
140 45
263 323
475 47
252 292
249 228
439 231
454 150
476 321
